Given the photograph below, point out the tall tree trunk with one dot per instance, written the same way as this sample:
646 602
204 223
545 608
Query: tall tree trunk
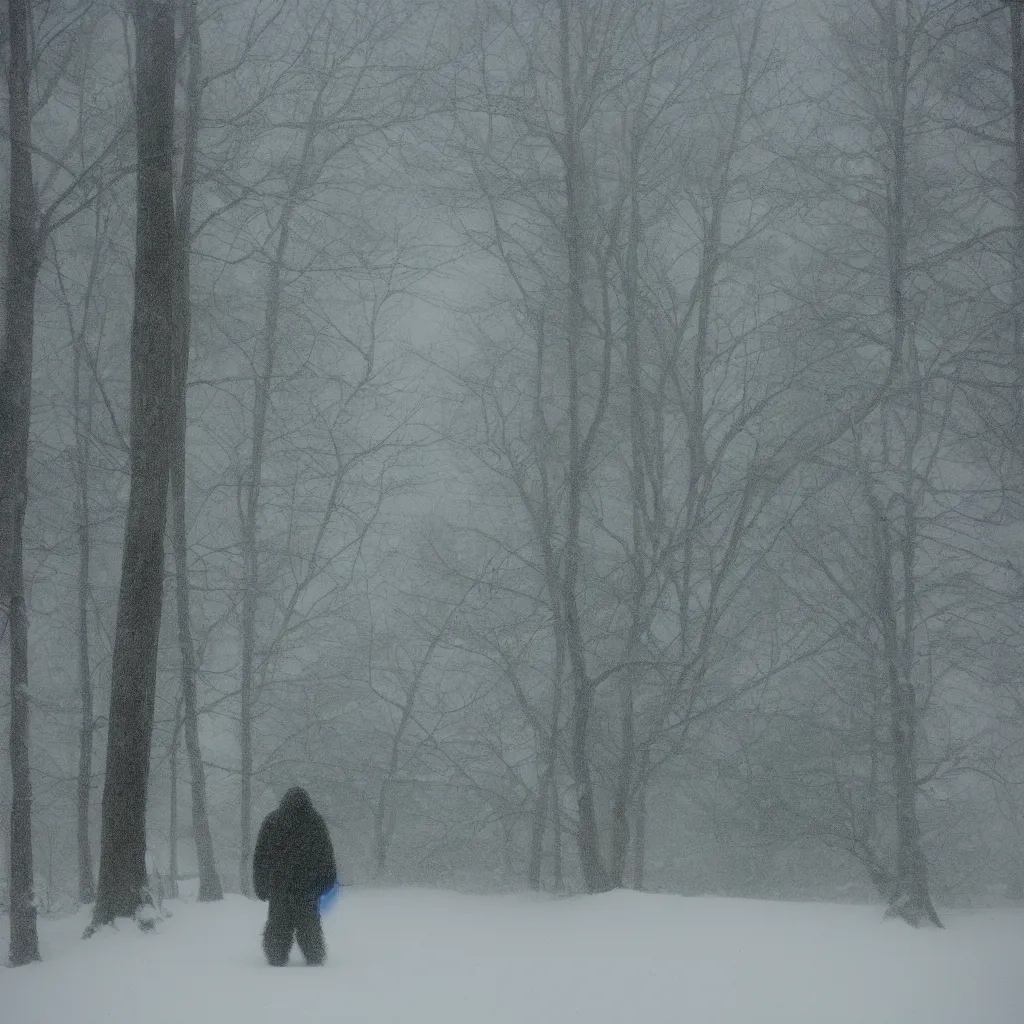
210 888
245 759
15 414
1017 81
250 538
595 875
122 876
251 485
629 766
911 899
250 558
83 431
625 770
1016 884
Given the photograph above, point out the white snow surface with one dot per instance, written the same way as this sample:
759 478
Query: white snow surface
431 957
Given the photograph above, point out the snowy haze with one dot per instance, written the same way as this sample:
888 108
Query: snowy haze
604 476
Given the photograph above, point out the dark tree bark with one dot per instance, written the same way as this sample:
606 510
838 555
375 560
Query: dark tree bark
209 881
122 875
23 242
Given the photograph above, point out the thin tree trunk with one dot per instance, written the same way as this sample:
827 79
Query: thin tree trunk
595 875
210 888
249 491
640 837
558 870
545 805
83 431
910 899
381 830
172 825
83 417
539 825
245 759
250 552
913 901
24 943
639 449
640 818
123 882
865 846
250 539
1016 885
1017 80
624 784
15 414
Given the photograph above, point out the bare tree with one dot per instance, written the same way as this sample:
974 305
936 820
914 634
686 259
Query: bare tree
40 208
122 887
79 315
83 429
209 881
621 350
885 57
343 106
563 60
23 258
897 552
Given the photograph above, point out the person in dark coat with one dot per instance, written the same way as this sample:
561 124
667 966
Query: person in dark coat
292 867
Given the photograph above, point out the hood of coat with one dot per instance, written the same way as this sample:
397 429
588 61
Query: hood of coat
296 801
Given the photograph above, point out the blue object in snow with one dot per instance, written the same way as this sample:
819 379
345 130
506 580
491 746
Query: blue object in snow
328 898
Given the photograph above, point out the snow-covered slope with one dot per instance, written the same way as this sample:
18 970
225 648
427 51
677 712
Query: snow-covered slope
420 957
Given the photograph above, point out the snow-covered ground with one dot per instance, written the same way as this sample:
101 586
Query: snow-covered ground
424 957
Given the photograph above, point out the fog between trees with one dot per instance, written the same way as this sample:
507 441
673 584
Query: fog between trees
600 461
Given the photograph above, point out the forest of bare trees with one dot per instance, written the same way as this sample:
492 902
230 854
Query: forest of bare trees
579 441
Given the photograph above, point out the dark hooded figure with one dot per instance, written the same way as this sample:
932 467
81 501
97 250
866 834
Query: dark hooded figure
292 866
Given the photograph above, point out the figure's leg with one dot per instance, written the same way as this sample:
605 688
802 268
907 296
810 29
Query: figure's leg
310 934
277 935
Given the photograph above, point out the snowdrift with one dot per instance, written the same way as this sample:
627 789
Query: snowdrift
427 957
